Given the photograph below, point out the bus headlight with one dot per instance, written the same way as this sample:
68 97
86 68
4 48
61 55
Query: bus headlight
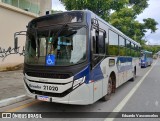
78 82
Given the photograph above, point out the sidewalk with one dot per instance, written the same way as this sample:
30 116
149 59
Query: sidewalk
11 84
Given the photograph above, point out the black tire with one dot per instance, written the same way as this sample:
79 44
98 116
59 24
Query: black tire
109 90
134 75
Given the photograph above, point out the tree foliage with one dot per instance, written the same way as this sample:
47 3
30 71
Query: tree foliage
99 7
152 48
138 5
121 14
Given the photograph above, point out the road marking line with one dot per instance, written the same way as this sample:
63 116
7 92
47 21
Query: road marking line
129 95
22 106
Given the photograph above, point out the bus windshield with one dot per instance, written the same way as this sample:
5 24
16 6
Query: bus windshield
142 56
67 44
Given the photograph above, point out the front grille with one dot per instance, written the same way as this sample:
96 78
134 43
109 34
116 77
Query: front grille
48 75
49 93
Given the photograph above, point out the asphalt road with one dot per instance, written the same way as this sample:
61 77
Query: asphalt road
142 95
11 84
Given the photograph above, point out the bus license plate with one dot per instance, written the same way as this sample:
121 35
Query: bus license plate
43 98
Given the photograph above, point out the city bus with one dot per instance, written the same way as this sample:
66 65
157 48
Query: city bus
75 57
146 58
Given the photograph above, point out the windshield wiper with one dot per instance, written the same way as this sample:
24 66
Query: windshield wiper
74 32
59 31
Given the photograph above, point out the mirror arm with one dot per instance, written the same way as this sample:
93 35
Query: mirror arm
16 39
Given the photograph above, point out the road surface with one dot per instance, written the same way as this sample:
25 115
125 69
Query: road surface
142 95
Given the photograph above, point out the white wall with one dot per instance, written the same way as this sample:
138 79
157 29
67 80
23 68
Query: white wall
12 20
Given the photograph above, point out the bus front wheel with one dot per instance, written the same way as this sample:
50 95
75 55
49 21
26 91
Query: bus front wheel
109 90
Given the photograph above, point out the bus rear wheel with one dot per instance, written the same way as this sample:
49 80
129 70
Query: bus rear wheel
134 74
109 90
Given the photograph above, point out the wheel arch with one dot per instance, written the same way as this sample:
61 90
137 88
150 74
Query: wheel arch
113 77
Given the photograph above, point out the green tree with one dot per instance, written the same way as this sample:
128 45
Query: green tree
121 14
152 48
125 21
100 7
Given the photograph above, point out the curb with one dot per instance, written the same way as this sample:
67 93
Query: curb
13 100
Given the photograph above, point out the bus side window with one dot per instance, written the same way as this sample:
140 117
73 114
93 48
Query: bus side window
98 46
113 43
94 46
128 46
99 42
102 42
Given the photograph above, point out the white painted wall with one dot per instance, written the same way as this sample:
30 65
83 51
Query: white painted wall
12 20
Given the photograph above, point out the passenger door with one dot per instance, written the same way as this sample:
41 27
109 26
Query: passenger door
97 54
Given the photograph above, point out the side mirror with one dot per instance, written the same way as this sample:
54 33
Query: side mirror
16 43
16 40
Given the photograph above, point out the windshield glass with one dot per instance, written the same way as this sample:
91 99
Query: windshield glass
60 46
142 56
70 17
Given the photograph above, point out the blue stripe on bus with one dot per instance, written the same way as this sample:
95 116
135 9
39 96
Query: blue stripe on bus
96 73
124 63
84 72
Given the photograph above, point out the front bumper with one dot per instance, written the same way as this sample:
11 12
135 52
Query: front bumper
82 95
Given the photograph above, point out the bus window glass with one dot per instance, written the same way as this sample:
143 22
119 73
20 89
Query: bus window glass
128 47
101 43
132 50
106 44
113 43
95 42
70 17
143 56
68 48
136 50
42 46
121 46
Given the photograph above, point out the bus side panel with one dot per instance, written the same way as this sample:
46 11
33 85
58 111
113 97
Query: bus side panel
124 67
83 95
97 77
135 64
101 84
135 67
107 70
121 77
97 89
